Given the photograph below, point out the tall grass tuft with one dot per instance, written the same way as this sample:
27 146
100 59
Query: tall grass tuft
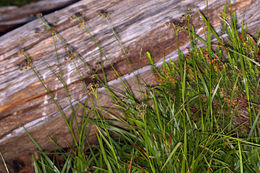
189 122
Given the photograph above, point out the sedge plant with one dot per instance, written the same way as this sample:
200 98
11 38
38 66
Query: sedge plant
188 122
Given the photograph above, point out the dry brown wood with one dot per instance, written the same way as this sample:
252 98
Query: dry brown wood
140 25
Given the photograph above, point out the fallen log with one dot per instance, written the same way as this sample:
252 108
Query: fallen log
140 27
13 16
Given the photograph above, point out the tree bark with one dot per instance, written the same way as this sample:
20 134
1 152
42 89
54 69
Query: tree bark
13 16
140 26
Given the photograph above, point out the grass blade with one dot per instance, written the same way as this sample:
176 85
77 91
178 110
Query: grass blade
6 168
170 156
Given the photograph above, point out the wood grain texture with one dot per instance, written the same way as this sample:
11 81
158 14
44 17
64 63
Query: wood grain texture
138 24
13 16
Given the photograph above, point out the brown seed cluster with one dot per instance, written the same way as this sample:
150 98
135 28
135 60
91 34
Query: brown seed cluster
141 106
104 13
37 31
39 15
72 17
81 23
177 25
92 87
141 113
25 65
142 109
21 52
71 55
77 15
181 23
52 29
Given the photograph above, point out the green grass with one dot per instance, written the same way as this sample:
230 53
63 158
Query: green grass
189 122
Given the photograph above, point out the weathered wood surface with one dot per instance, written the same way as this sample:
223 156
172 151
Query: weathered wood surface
139 25
13 16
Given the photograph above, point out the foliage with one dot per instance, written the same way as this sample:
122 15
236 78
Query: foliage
187 123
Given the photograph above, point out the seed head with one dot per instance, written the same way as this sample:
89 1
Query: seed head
20 68
82 22
81 13
52 29
104 13
39 15
72 17
167 24
20 53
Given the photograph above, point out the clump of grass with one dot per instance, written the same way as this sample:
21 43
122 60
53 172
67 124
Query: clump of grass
189 122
